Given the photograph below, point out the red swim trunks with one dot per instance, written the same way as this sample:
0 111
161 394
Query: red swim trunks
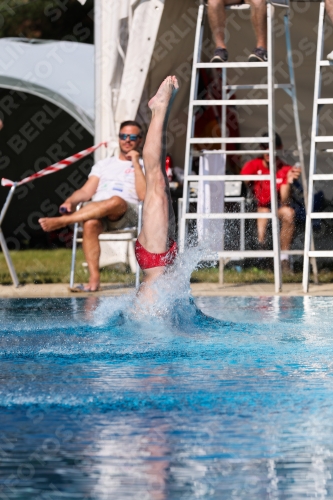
147 260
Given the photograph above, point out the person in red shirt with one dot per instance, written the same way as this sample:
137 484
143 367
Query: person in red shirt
285 176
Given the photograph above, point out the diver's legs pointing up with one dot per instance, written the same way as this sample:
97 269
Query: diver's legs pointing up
158 216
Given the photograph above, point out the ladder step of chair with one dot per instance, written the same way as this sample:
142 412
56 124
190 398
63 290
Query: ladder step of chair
220 177
231 102
246 253
322 177
326 62
258 86
230 215
321 215
320 253
325 100
255 253
243 64
228 140
233 152
294 252
324 138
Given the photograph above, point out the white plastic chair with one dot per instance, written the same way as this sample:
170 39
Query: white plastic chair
125 254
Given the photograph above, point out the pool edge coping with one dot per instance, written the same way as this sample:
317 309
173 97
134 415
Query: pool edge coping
61 290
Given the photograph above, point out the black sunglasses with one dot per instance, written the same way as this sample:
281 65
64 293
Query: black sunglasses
132 137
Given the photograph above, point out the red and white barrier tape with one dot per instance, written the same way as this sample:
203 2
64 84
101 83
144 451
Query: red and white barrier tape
55 167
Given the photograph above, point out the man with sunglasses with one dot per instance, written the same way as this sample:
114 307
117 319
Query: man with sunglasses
111 196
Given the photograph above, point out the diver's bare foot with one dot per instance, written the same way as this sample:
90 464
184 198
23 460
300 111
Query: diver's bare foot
52 223
165 94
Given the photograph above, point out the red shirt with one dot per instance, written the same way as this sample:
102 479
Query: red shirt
261 189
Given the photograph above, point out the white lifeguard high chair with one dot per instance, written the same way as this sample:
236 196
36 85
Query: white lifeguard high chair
227 92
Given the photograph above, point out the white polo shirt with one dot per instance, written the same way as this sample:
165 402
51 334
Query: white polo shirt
116 178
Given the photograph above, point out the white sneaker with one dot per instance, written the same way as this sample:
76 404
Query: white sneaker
330 56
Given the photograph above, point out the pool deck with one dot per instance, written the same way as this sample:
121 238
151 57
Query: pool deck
198 290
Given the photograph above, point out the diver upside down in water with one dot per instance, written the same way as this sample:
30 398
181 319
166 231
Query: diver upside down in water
156 248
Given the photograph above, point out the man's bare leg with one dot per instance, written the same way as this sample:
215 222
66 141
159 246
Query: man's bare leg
329 12
287 217
329 9
91 248
114 209
262 225
217 20
259 21
158 216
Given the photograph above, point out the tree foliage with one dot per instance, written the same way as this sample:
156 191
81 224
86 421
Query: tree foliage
47 19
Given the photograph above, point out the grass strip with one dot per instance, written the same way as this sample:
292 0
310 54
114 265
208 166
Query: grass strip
53 266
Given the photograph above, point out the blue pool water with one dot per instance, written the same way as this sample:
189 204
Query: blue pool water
94 405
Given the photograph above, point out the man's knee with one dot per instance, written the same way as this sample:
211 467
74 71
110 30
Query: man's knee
116 202
287 214
92 226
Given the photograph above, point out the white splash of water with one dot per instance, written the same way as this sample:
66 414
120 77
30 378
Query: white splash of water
168 291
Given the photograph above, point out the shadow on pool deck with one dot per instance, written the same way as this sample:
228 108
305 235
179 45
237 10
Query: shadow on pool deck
198 289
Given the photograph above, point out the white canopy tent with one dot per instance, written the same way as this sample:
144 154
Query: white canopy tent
70 74
61 72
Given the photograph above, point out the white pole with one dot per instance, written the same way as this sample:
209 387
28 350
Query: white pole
74 248
3 243
224 129
242 225
272 158
106 57
98 41
190 125
137 274
314 131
